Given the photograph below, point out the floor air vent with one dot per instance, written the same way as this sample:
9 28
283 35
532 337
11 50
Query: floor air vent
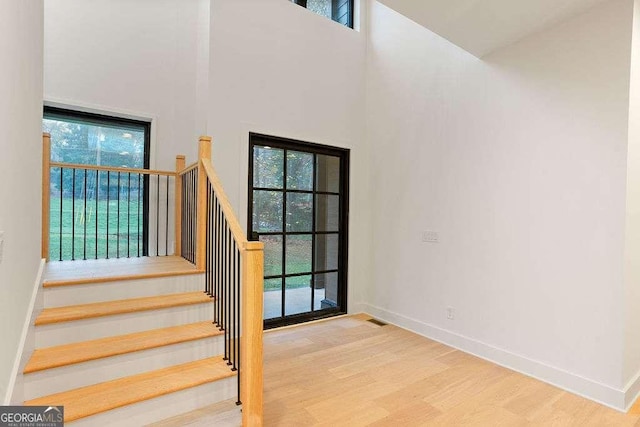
377 322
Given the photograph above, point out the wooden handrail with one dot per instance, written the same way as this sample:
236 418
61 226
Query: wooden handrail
111 169
252 289
237 231
187 169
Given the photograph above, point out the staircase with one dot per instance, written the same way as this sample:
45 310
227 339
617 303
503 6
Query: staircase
127 351
128 340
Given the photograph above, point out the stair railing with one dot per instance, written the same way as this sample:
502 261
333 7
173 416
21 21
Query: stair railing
234 271
100 212
186 210
207 233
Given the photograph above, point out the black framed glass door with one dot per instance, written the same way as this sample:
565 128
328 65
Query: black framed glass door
298 207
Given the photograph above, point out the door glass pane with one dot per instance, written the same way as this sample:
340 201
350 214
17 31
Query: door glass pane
298 297
328 174
299 212
298 254
327 252
298 207
326 291
299 171
268 167
267 211
327 212
272 255
272 298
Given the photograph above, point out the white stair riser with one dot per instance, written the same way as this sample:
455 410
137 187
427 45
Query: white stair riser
107 326
59 296
163 407
64 378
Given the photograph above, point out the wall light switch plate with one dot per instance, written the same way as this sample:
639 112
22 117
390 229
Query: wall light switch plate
430 237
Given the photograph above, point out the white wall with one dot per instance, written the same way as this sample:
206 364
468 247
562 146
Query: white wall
20 166
279 69
519 161
142 57
631 371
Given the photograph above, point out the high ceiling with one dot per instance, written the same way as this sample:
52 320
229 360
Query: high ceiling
482 26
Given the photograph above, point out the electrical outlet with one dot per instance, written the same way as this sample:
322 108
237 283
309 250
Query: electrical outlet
450 313
430 237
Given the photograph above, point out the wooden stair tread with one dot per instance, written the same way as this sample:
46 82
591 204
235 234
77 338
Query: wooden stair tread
124 277
94 399
65 273
68 354
107 308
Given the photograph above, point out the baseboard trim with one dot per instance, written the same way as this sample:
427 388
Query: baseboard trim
632 392
27 341
589 389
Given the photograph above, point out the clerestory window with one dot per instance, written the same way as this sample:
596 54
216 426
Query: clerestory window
340 11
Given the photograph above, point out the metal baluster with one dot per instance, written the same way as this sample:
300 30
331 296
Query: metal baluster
61 199
73 217
210 239
138 215
227 250
84 243
129 215
183 216
158 218
166 230
194 234
108 203
207 268
215 257
97 195
239 402
234 284
118 232
218 272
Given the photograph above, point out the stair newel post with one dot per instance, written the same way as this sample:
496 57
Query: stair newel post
180 165
204 152
251 355
46 193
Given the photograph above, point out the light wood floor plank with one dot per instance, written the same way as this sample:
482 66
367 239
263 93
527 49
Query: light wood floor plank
63 355
91 400
86 311
313 378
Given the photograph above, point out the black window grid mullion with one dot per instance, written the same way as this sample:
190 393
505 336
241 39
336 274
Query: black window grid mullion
298 233
287 145
313 236
306 273
284 230
282 190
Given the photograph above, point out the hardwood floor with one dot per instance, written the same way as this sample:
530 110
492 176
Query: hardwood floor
350 372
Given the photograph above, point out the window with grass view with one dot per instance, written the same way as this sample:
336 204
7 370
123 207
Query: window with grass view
97 213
